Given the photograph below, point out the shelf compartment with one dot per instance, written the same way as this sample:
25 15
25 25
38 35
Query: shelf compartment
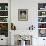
42 32
3 13
41 13
4 32
4 29
3 26
3 19
41 6
3 6
41 25
41 19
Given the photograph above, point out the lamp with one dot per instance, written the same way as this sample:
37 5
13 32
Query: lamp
13 27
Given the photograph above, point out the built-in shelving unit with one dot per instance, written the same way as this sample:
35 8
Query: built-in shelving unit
4 19
42 19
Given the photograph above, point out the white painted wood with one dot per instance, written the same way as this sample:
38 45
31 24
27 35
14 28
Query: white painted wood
4 41
3 1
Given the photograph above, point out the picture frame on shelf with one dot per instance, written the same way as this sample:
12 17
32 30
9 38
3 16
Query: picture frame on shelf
6 7
22 14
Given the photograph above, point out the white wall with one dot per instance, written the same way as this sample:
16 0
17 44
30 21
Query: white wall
32 6
32 13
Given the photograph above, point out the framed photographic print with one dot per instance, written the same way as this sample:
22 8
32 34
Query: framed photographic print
22 14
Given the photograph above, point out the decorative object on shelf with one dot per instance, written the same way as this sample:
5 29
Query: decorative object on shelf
3 13
0 7
42 32
13 27
23 14
3 19
31 27
43 13
41 6
40 25
4 26
41 19
6 7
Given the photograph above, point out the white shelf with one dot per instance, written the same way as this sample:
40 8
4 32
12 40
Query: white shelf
3 16
3 22
41 22
42 16
41 28
41 10
3 10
